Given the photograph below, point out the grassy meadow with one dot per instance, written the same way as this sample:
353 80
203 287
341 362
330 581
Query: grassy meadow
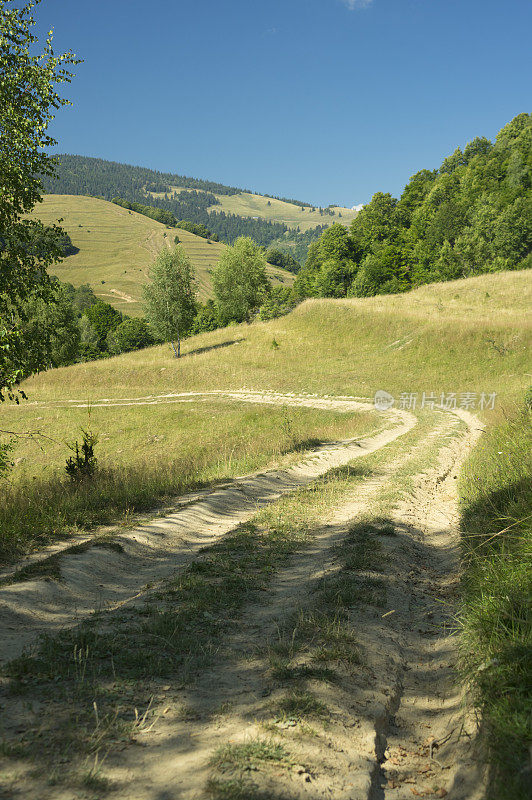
470 335
247 204
147 454
117 246
467 336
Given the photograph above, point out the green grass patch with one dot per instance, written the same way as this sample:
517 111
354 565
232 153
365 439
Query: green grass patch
496 492
248 754
299 705
234 763
235 789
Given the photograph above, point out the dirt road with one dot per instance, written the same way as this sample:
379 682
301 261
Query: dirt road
389 725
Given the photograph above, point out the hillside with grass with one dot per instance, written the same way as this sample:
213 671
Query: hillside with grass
453 337
116 247
284 555
227 211
265 466
257 206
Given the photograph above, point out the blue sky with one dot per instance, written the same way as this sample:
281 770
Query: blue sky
321 100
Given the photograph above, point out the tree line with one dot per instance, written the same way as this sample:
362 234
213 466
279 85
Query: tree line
166 218
98 177
73 325
470 216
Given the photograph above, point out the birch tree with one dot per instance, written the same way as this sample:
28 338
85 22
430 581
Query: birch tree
170 298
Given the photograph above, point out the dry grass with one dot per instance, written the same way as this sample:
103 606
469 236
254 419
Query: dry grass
148 455
351 347
490 300
399 343
355 347
116 248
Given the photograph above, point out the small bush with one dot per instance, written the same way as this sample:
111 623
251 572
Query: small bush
5 461
83 463
280 301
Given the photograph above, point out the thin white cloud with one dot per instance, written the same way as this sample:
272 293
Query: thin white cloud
352 4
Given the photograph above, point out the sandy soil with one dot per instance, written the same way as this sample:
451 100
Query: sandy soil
398 728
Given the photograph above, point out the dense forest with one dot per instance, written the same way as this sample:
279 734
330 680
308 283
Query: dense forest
109 180
472 215
297 245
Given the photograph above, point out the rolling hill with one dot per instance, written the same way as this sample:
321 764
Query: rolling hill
116 247
391 342
227 211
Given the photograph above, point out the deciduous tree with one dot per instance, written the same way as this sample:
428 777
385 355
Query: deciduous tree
28 101
239 281
170 298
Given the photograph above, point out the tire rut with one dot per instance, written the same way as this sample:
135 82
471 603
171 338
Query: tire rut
343 762
95 577
425 742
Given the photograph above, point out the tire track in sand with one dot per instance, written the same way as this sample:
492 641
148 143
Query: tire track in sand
101 578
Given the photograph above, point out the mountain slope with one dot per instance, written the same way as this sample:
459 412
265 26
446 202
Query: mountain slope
225 210
117 246
272 209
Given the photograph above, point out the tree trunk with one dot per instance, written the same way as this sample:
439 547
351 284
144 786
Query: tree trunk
178 345
176 354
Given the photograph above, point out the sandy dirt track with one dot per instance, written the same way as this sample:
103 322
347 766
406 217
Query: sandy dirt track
101 578
398 727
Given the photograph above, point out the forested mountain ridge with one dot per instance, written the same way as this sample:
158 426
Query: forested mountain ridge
470 216
226 211
96 176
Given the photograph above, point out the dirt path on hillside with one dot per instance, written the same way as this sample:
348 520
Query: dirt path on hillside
343 404
395 726
94 575
397 729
